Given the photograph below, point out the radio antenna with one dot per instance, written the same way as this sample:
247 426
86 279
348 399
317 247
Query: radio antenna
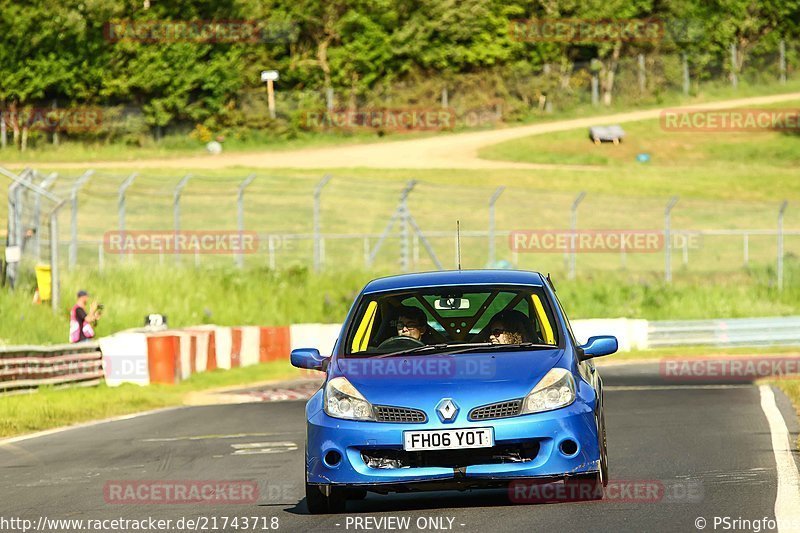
458 243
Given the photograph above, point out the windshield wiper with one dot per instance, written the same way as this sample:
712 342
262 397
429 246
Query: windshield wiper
488 346
432 347
468 347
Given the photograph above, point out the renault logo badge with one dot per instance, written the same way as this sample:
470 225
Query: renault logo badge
447 410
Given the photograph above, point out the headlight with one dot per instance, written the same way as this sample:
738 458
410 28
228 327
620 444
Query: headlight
342 400
556 389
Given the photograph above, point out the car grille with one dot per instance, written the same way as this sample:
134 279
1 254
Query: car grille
496 410
405 415
388 458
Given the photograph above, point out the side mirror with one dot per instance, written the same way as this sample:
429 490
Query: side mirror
309 358
598 347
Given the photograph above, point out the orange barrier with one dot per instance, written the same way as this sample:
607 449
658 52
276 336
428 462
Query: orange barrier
211 364
274 344
175 355
193 354
163 358
236 347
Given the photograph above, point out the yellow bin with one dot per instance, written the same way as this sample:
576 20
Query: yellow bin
44 281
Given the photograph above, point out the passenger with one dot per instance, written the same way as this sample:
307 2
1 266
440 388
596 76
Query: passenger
507 327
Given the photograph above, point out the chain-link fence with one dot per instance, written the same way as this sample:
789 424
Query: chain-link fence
339 222
33 216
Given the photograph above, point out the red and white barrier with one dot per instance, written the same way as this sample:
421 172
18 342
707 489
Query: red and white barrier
320 336
174 355
125 358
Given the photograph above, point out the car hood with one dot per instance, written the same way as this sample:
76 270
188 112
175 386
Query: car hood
470 379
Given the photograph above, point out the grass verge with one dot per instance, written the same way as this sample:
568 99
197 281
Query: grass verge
791 387
263 297
49 408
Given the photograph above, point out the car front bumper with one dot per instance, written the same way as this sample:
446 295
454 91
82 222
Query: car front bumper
349 441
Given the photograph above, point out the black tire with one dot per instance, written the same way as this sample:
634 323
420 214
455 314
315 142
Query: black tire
585 487
318 503
356 494
601 428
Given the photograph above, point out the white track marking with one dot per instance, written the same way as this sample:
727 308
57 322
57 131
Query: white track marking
208 437
263 450
261 445
253 448
787 502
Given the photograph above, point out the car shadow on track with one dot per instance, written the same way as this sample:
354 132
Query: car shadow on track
439 500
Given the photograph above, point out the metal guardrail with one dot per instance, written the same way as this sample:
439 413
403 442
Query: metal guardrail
27 367
728 332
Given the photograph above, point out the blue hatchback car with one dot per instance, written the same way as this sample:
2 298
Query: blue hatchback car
454 380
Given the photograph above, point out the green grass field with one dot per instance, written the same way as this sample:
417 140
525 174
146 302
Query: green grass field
669 149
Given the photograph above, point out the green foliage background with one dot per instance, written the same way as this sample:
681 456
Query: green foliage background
389 52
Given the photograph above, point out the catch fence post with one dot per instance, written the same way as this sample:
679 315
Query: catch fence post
668 239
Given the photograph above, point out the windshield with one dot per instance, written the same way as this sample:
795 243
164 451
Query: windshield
437 320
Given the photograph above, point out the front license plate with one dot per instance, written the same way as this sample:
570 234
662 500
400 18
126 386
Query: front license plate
448 439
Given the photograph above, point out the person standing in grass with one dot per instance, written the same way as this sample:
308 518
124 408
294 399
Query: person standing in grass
81 322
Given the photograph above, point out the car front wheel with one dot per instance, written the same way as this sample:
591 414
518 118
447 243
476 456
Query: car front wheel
319 503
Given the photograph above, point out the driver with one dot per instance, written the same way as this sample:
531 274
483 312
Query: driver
412 322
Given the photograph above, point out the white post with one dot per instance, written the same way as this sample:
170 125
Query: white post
746 238
668 239
492 201
271 248
240 215
176 211
780 244
573 227
318 260
73 246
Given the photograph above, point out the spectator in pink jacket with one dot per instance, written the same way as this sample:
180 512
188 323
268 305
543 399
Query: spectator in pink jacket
81 322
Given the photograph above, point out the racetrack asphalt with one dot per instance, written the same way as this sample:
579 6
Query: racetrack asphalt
707 445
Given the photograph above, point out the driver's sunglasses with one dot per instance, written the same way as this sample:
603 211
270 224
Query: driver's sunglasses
403 325
496 332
